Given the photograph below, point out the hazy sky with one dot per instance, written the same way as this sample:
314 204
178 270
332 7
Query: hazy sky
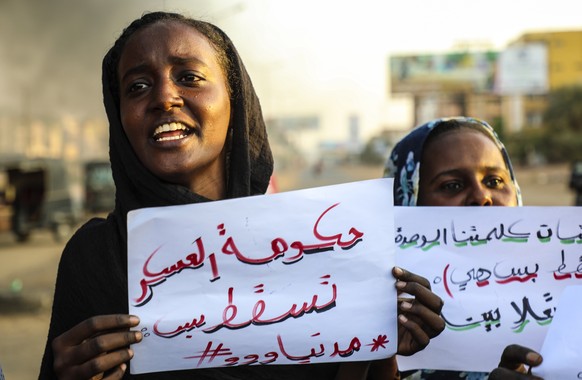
305 56
331 56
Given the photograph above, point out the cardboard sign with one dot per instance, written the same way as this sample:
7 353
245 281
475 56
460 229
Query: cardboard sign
561 349
499 270
291 278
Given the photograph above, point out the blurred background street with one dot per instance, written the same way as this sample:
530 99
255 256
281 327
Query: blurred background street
27 270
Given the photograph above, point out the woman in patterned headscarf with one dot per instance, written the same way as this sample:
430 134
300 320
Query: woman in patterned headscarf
405 160
458 161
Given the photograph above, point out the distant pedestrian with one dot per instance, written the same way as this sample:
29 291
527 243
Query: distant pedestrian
576 182
318 168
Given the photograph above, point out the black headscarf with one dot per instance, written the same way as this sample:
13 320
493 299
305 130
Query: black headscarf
250 162
92 274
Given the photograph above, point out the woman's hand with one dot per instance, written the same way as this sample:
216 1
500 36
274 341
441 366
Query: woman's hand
513 364
96 348
419 319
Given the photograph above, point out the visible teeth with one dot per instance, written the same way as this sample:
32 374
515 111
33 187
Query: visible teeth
168 128
171 138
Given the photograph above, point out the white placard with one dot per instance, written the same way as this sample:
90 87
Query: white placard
499 270
289 278
561 349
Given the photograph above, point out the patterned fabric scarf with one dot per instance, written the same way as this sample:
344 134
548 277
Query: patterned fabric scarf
404 162
404 166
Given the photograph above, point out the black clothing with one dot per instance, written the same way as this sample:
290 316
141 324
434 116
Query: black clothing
92 274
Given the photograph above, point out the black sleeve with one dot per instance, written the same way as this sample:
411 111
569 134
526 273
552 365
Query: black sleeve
91 280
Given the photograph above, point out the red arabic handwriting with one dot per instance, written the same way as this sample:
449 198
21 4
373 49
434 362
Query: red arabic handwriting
231 311
561 274
188 326
481 276
279 248
279 245
213 351
258 315
151 278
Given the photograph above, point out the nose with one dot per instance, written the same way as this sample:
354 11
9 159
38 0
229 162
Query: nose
479 195
167 96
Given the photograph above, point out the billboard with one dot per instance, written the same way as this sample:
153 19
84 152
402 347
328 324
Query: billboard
456 71
294 123
523 70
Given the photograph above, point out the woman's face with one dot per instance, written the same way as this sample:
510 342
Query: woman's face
175 106
464 168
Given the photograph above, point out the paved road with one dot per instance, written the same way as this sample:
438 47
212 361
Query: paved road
24 315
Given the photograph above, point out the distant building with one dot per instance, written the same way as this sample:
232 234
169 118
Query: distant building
450 84
508 86
564 55
563 67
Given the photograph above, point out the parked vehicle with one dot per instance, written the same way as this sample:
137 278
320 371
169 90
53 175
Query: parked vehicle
39 193
99 187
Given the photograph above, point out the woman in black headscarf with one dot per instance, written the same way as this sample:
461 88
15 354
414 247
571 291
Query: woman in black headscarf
185 127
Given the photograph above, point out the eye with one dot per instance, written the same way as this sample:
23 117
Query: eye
137 86
190 78
451 186
494 182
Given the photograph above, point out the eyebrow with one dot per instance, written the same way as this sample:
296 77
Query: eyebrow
184 60
134 70
463 171
173 59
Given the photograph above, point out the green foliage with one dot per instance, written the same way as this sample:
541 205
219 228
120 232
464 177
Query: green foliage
560 137
522 145
375 151
499 127
562 146
564 112
554 147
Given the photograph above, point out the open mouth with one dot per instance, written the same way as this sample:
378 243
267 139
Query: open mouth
171 131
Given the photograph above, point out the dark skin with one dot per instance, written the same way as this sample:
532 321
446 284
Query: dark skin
471 174
168 75
513 364
175 106
417 316
96 347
